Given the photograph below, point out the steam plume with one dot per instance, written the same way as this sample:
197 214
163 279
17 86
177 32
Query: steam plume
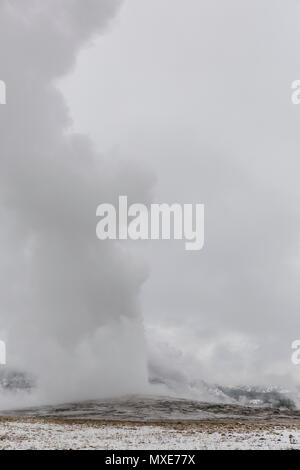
69 304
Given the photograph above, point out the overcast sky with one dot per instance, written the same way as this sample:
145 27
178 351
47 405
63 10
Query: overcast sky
164 101
199 93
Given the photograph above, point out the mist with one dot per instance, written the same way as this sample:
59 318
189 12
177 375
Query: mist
70 312
164 103
206 100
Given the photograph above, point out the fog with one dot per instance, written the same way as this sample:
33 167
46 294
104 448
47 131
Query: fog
167 102
201 93
70 312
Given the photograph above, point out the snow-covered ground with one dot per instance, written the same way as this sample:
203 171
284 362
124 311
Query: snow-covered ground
44 434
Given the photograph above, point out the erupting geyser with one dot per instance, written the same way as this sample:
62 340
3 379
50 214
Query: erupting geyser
69 305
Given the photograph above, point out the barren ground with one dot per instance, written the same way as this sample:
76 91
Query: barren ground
51 433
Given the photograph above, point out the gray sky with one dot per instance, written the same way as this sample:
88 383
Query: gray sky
199 93
171 101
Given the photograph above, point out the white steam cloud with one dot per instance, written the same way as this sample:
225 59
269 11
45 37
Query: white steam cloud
69 304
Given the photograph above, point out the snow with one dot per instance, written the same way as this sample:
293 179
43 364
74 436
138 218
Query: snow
24 434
